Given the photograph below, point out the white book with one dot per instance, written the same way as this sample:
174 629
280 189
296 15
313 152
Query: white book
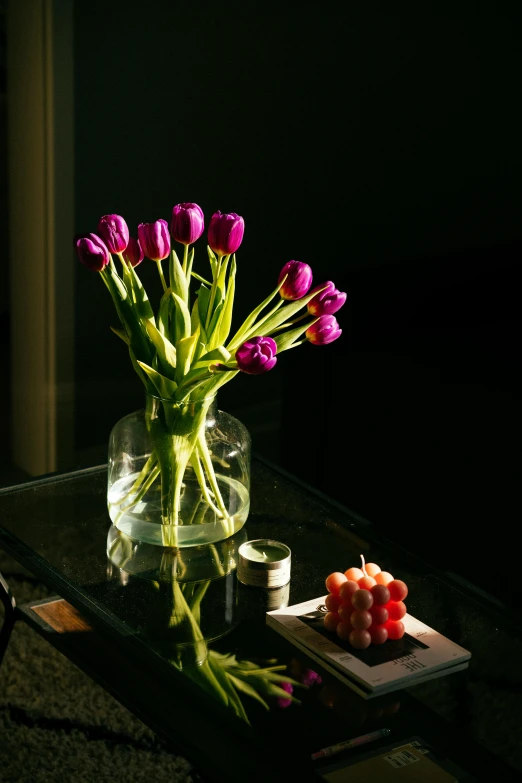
420 655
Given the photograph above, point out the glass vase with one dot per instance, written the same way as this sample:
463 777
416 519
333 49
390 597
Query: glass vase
179 473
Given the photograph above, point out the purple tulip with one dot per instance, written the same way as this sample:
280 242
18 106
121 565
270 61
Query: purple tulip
114 232
298 282
92 251
288 687
308 677
325 330
154 239
133 254
187 223
257 355
225 232
326 302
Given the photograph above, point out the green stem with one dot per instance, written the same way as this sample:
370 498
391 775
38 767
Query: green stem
162 276
185 257
209 468
212 547
200 475
299 342
213 292
142 474
289 323
145 487
254 328
195 602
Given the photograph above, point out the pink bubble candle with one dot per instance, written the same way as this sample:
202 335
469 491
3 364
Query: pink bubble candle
365 605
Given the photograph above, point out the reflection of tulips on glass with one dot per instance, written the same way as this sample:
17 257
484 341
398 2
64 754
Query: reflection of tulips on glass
180 614
222 674
185 350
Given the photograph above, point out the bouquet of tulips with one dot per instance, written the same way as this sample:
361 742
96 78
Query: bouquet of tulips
185 350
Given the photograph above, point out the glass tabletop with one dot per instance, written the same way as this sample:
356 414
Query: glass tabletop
196 627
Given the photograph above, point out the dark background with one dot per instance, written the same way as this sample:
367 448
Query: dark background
378 142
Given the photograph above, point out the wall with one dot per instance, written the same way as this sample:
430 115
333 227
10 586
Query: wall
379 143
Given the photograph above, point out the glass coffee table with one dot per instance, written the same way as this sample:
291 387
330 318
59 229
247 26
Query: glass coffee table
119 613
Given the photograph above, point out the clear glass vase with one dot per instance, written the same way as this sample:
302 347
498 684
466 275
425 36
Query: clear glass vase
179 473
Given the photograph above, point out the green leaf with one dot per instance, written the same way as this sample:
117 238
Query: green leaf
211 382
285 340
245 687
196 324
182 317
139 295
221 281
280 693
270 677
212 331
203 300
266 326
219 354
125 276
164 314
224 659
192 380
184 352
122 334
164 386
201 279
212 260
226 317
165 349
149 387
224 680
247 324
194 317
127 313
178 281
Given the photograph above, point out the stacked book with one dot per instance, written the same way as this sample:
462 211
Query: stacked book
420 655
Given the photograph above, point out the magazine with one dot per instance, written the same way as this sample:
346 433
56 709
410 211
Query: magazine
408 761
420 655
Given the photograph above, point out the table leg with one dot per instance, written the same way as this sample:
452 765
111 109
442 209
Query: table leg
7 599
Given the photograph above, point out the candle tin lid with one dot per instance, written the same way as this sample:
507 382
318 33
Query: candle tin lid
264 562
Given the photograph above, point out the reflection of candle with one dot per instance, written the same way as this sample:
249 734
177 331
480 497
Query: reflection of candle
264 563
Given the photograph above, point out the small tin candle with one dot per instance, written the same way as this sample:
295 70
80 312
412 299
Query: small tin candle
264 562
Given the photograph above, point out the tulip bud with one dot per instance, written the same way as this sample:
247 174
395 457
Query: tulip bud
326 302
154 239
282 702
257 355
114 232
133 254
92 251
298 282
225 232
325 330
309 678
187 223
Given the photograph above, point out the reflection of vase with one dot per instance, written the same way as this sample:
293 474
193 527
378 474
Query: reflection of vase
178 599
179 473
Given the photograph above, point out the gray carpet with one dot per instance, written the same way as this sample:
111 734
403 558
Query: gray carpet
56 725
